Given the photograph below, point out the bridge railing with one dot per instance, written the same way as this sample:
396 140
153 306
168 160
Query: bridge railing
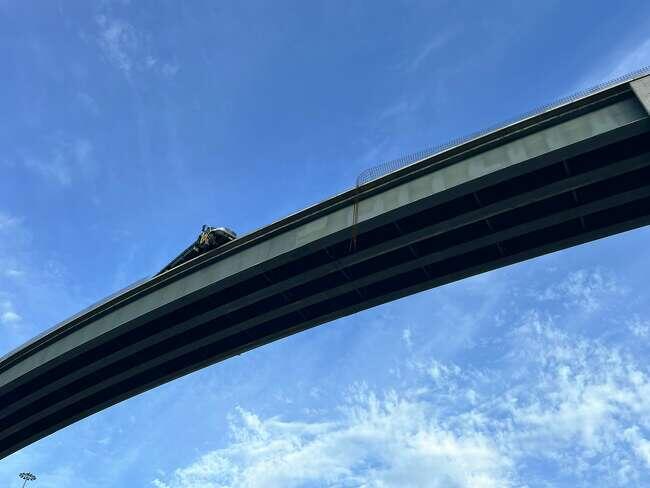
390 166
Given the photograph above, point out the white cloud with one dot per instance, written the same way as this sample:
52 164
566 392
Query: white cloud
429 48
14 273
640 445
8 315
567 403
7 221
68 159
584 289
579 398
406 337
169 69
620 61
54 169
120 42
633 60
129 48
443 375
378 442
640 328
401 108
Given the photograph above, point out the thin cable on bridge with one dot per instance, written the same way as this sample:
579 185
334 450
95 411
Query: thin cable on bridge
355 218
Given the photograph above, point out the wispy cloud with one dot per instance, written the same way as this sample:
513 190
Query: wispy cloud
120 42
8 225
640 445
167 69
620 61
640 328
634 59
27 280
563 402
7 221
385 441
406 337
129 48
13 273
428 49
585 289
8 315
66 160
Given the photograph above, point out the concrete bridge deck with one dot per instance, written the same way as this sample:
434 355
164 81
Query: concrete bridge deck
572 174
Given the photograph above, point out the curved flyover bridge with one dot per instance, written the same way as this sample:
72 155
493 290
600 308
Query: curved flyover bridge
571 174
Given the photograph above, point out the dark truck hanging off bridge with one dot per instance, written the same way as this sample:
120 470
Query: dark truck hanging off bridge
209 238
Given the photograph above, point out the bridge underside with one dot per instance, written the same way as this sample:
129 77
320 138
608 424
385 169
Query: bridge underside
585 192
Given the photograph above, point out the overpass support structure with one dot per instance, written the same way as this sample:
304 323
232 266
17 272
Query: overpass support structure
566 176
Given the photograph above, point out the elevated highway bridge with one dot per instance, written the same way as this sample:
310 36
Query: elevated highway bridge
568 175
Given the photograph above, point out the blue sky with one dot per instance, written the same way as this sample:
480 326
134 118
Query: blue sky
128 125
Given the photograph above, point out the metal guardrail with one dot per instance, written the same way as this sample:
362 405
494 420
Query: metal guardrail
390 166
